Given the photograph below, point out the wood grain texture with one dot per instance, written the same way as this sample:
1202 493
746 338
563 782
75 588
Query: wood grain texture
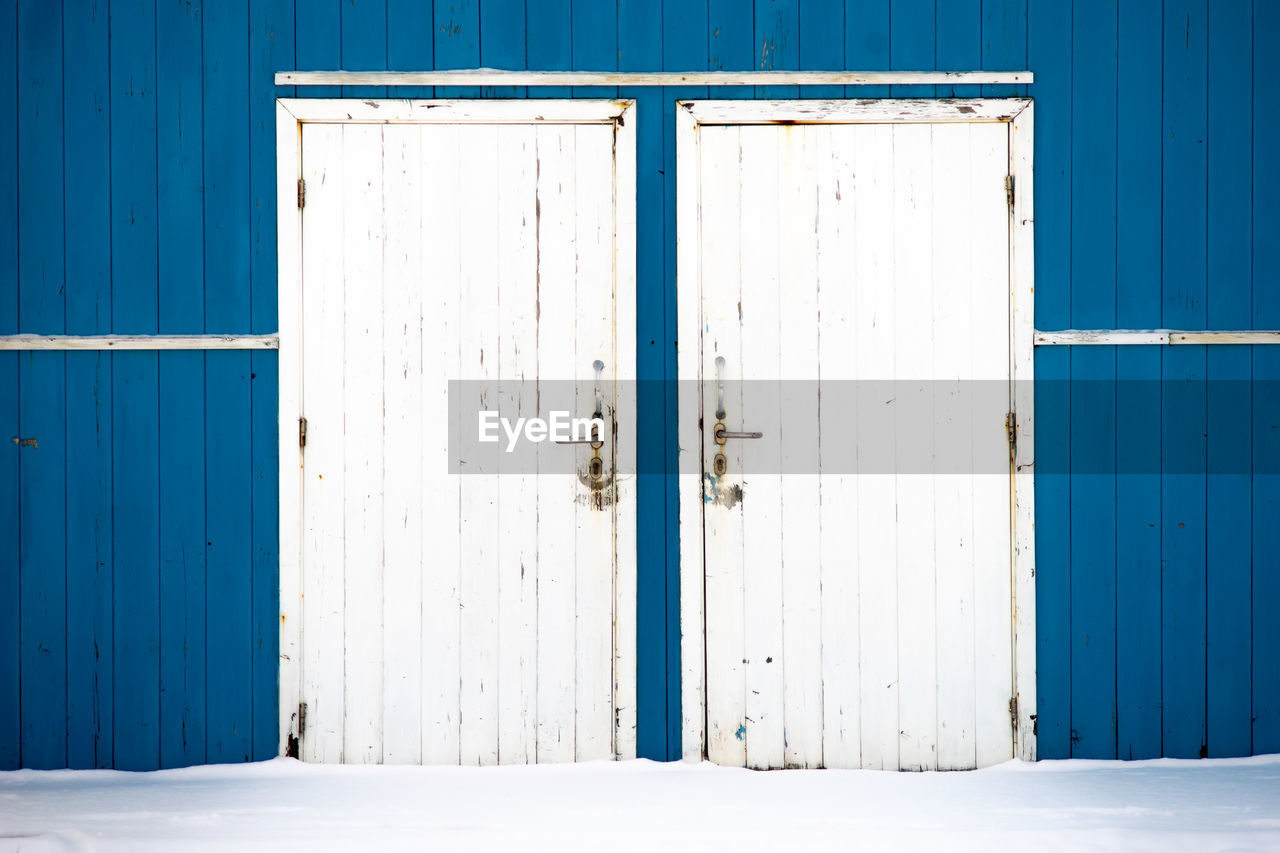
424 636
873 616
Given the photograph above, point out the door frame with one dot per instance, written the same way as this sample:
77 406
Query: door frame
291 115
1018 114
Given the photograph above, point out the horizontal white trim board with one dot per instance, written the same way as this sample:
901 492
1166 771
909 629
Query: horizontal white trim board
1125 337
856 111
498 77
453 111
138 342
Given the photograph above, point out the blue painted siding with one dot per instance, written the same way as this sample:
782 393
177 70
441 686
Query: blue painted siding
138 546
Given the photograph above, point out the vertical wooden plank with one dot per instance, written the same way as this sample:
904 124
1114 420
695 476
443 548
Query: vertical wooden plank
456 42
1266 403
89 613
323 346
440 260
762 529
594 44
958 318
318 36
363 404
639 48
502 43
875 309
802 615
732 43
549 43
911 35
624 449
271 47
692 527
1137 493
517 222
227 215
410 41
88 214
1021 140
402 430
720 222
1049 48
181 376
1005 34
959 44
1183 412
913 348
480 330
684 45
989 159
777 29
291 475
42 388
867 43
10 737
364 43
838 518
1228 575
821 47
557 487
595 565
135 414
1093 400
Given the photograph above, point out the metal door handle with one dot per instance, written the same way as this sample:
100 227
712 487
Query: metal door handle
721 434
592 441
595 441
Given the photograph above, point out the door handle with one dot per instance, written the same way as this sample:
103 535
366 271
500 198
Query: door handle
595 466
721 434
595 440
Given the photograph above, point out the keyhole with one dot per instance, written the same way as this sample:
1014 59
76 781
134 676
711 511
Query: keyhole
719 464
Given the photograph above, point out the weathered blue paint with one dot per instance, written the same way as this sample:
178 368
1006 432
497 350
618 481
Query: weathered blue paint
1266 366
138 544
88 299
1229 521
1138 87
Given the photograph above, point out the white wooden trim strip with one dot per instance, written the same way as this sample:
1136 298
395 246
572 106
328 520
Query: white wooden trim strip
624 347
138 342
1022 353
1129 337
502 77
850 111
289 294
401 111
688 359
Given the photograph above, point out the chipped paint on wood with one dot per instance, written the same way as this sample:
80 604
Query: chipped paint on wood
459 618
825 598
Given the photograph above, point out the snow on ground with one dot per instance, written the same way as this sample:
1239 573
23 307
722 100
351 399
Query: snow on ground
1230 804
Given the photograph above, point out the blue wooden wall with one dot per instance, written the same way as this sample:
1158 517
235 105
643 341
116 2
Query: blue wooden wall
138 565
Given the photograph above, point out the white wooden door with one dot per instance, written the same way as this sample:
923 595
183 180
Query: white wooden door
452 617
853 303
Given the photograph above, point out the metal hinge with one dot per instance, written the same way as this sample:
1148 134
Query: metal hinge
1013 712
1008 190
302 432
302 193
1011 432
302 718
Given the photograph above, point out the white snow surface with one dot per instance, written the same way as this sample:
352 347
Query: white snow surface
1225 804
